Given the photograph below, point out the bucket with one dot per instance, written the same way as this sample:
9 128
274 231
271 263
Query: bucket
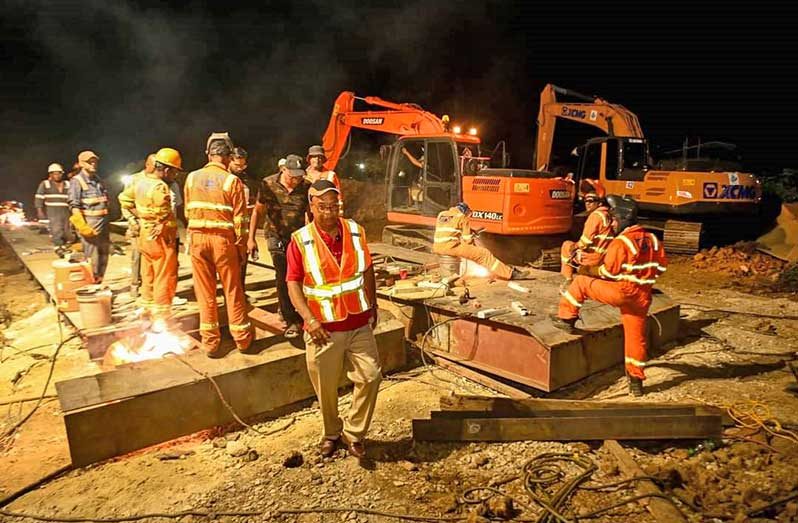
448 265
68 278
95 306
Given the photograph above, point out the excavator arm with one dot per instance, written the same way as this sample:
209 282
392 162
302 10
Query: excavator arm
613 119
392 118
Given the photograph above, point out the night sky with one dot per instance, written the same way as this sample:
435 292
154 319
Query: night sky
125 78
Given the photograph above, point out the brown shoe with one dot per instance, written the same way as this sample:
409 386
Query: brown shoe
357 449
328 447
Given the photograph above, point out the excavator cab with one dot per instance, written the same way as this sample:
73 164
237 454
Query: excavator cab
614 159
424 173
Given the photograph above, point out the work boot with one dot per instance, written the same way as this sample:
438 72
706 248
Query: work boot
355 448
566 324
635 387
520 274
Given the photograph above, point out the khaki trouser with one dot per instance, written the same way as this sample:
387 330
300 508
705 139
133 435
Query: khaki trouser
479 255
356 351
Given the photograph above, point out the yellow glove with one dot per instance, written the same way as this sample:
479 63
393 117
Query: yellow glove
83 228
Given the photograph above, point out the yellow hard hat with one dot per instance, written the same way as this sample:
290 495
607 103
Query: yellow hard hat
169 157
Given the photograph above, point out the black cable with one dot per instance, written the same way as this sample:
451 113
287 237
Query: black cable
18 424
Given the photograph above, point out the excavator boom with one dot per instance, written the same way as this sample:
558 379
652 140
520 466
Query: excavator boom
394 118
613 119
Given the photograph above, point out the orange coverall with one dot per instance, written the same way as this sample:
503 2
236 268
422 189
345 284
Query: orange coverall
631 266
149 196
596 237
217 223
453 238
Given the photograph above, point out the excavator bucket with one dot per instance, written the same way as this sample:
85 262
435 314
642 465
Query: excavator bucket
782 240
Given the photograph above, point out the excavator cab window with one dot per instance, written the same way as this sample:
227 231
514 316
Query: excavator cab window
440 177
407 175
591 161
633 159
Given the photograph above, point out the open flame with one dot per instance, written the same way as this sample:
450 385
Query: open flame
474 270
151 344
15 219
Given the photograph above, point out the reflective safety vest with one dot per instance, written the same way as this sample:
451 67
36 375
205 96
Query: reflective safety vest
597 233
451 228
215 201
153 202
91 197
49 195
634 256
333 290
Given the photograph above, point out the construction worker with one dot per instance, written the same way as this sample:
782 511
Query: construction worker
331 283
216 210
154 218
632 263
238 166
283 203
453 237
597 234
127 205
316 171
88 201
51 204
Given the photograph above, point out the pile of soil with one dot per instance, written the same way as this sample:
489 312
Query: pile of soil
741 259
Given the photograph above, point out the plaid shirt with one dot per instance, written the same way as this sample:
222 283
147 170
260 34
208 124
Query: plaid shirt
285 211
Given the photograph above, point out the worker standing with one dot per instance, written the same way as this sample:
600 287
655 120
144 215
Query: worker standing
453 237
51 204
316 171
216 211
155 219
127 204
634 260
597 234
331 283
283 203
88 201
238 166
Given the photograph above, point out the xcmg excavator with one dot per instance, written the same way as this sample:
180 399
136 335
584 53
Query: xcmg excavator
434 164
690 206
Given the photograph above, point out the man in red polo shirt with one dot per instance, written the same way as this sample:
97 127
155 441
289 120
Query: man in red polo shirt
331 284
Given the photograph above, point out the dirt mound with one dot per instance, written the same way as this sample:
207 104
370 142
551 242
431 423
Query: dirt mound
741 259
365 202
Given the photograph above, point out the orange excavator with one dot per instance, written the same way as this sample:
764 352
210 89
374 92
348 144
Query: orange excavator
689 206
434 164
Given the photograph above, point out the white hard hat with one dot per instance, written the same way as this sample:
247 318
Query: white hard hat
55 167
281 162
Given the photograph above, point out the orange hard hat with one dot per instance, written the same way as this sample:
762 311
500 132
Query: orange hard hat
169 157
592 188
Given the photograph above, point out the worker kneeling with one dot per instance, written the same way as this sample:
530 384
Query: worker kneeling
453 237
596 236
158 232
634 260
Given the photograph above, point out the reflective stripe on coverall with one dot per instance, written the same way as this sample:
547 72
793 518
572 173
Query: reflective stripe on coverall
453 238
596 237
631 266
216 211
153 207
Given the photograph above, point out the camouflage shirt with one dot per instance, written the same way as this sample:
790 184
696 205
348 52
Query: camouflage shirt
285 211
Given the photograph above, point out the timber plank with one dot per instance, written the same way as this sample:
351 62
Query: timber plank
401 253
520 406
149 376
568 428
662 511
584 413
114 420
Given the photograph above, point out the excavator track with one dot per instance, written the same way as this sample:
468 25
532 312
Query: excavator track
683 237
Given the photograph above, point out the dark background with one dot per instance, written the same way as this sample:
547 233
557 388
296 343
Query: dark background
125 78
